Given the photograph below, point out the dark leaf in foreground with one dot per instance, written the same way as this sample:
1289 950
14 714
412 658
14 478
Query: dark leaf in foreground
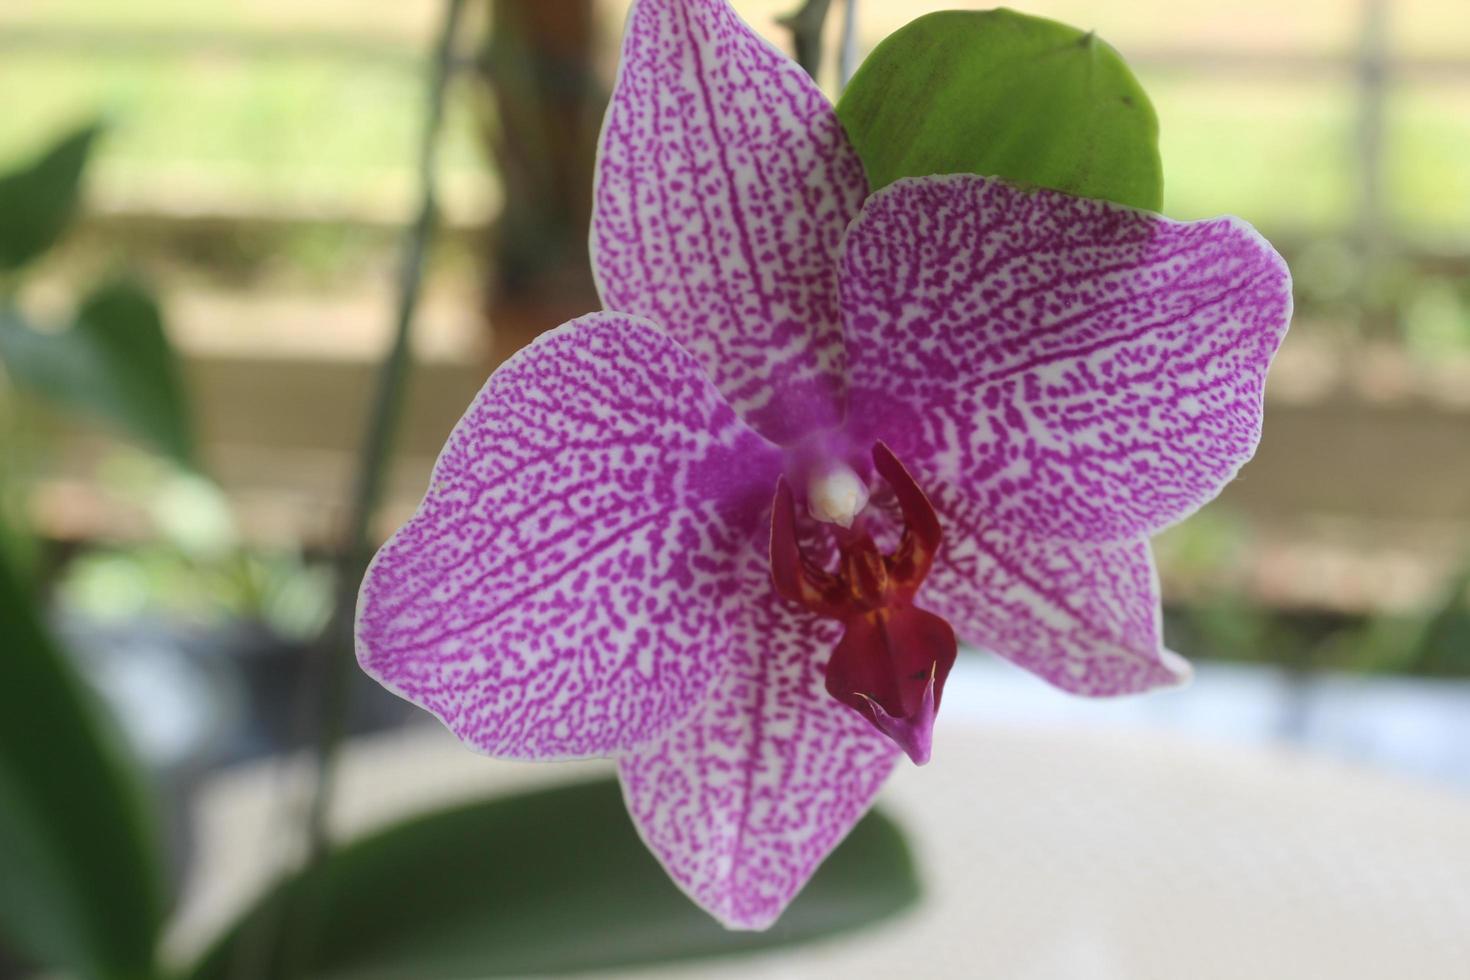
554 881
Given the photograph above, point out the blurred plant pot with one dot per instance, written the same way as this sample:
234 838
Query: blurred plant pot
273 672
191 699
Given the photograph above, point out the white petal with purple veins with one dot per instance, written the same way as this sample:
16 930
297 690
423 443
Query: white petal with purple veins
724 183
743 803
1084 617
1085 370
569 585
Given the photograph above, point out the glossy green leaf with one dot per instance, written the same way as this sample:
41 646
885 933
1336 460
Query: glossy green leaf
81 888
38 200
114 361
1006 95
544 883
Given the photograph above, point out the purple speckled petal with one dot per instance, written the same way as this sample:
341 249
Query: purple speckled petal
724 184
571 582
742 804
1087 371
1084 617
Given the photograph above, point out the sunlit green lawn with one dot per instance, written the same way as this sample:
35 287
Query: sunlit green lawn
334 131
289 130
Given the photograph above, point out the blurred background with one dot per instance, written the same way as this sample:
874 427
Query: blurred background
247 191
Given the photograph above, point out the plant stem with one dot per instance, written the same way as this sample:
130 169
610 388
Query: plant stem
333 654
847 49
282 944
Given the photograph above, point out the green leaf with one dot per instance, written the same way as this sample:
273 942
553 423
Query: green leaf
1441 644
81 888
114 361
550 882
1005 95
38 200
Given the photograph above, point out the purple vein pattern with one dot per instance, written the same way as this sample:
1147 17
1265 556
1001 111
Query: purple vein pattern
587 574
1088 371
742 803
724 184
571 582
1084 617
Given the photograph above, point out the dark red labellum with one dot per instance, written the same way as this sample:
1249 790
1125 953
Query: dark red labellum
894 657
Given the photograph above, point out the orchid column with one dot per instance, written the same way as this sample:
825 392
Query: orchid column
728 530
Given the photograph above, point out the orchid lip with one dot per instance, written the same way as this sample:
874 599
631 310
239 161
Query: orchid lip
914 734
893 658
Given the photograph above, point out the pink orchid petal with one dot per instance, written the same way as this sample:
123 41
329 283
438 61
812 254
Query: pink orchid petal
1084 617
570 584
743 803
724 183
1085 370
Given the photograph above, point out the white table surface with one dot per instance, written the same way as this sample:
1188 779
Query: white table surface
1052 846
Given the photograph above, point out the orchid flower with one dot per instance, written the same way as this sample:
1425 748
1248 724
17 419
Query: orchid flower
727 531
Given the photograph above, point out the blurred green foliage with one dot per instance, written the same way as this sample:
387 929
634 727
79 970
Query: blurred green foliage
1233 627
197 568
1436 644
82 887
39 200
112 361
1224 620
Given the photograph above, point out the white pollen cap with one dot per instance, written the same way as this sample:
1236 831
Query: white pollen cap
836 495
